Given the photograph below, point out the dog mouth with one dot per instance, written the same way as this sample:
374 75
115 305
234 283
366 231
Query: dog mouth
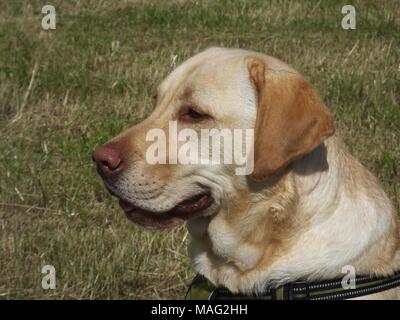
189 208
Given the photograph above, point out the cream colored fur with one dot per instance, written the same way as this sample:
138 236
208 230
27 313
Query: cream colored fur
322 212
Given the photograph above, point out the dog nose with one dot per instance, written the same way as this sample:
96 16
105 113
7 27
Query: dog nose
108 160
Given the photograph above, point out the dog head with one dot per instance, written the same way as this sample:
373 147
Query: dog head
153 167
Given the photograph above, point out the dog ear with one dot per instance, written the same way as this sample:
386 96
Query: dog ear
291 119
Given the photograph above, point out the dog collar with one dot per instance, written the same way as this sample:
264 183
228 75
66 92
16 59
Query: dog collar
203 289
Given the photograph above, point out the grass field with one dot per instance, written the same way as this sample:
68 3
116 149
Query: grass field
64 92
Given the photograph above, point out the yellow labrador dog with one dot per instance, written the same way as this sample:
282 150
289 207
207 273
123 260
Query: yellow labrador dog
306 210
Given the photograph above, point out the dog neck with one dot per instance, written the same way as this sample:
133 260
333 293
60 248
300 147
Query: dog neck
325 213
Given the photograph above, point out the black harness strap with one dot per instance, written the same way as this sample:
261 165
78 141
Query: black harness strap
334 289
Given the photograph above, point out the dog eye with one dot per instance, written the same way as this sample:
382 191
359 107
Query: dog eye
191 115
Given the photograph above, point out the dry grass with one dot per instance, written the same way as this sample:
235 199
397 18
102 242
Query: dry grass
66 91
